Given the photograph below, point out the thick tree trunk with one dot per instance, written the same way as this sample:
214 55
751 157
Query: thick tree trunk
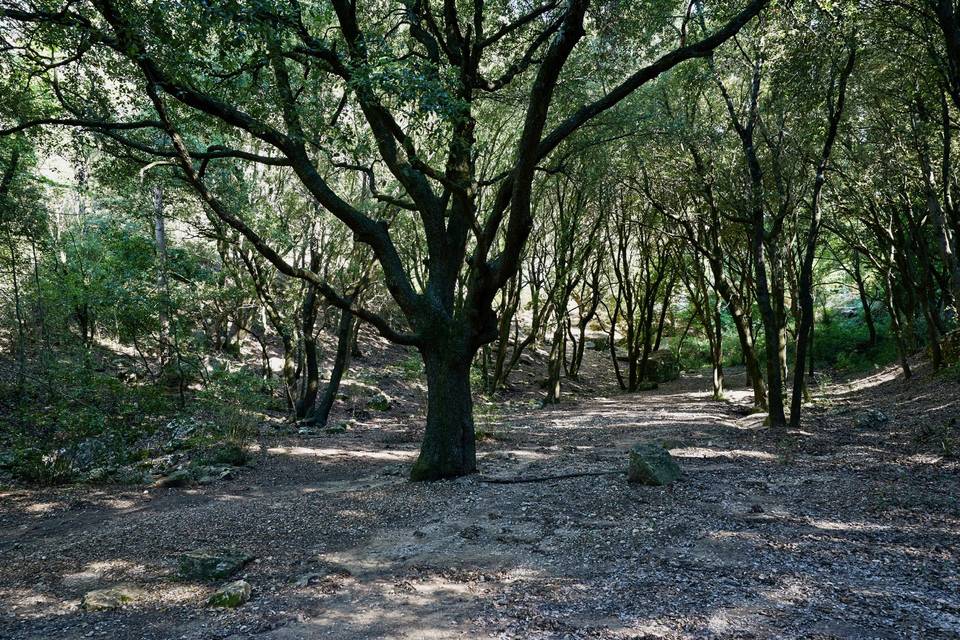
449 448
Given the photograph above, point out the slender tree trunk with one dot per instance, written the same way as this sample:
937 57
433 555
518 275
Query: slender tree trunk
18 311
355 351
321 411
895 324
745 335
555 364
771 334
805 326
289 373
864 302
716 349
311 381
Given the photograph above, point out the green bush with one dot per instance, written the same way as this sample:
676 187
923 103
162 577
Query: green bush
841 343
34 466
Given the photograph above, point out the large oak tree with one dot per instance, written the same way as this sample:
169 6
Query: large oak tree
390 89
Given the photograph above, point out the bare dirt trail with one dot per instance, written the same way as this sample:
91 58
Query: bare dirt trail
844 530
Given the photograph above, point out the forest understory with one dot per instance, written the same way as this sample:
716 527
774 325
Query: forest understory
847 528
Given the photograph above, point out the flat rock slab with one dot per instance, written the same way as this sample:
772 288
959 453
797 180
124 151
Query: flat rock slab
651 464
110 598
212 565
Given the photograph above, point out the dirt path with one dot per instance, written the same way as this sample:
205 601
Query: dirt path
845 531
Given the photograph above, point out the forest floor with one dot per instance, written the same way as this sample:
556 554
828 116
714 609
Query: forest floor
848 528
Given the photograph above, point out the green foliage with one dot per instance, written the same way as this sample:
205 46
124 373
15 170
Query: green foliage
231 453
75 418
841 343
943 438
32 465
411 367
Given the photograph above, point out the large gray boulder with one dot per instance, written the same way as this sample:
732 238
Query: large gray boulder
212 565
651 464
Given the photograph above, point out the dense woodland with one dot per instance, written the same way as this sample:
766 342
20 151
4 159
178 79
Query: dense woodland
211 213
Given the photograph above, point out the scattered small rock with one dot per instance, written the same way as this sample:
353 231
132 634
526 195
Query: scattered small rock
231 595
471 533
871 419
308 579
210 474
341 427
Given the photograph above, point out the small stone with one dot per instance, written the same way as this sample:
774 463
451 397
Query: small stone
308 579
341 427
110 598
756 509
231 595
471 533
651 464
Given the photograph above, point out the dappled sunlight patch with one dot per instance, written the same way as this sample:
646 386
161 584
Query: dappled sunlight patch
119 503
924 458
29 603
174 593
43 507
384 455
95 572
941 407
530 455
836 525
704 452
